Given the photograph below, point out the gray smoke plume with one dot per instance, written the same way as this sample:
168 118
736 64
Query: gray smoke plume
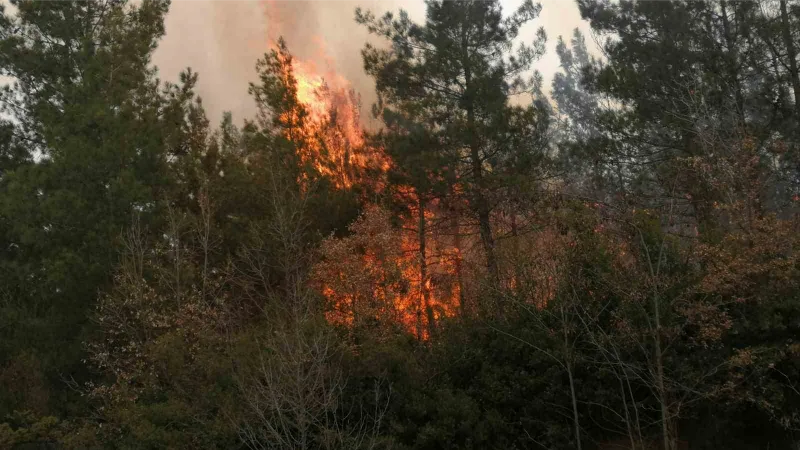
221 40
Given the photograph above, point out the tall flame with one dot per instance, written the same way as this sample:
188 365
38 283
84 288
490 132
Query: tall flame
377 271
338 148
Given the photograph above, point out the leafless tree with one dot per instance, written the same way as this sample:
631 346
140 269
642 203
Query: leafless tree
294 390
556 317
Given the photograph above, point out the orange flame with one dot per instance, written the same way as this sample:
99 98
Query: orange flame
336 145
375 272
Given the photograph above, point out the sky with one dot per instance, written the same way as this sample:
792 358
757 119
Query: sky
222 39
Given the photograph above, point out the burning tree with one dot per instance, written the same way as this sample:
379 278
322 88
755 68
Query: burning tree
318 117
372 276
454 76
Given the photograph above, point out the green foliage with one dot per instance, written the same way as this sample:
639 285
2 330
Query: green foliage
161 278
86 107
453 77
25 428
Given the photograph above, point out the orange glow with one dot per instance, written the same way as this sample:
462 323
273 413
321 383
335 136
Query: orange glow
440 281
333 140
375 273
334 143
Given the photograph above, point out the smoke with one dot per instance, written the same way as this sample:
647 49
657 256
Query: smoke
221 40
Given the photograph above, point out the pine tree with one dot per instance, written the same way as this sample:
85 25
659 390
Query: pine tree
688 81
579 110
418 176
88 109
455 75
577 105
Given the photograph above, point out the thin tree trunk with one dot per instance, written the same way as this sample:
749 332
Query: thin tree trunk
568 366
423 266
480 204
487 237
791 55
666 429
515 244
637 421
457 262
627 413
576 420
205 238
733 61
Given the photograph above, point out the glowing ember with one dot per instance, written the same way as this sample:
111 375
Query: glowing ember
374 274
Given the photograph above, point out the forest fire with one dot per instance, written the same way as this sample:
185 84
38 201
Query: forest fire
376 274
334 143
382 271
480 273
334 139
392 281
327 95
379 272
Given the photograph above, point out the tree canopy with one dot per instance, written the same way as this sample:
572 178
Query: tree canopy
608 263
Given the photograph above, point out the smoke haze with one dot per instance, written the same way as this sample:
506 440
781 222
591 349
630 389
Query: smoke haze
221 40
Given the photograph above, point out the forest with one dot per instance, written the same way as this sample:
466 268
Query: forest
608 265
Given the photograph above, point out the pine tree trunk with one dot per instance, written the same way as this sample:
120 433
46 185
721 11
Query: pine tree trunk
482 208
666 420
792 55
487 238
457 263
480 204
423 267
733 62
